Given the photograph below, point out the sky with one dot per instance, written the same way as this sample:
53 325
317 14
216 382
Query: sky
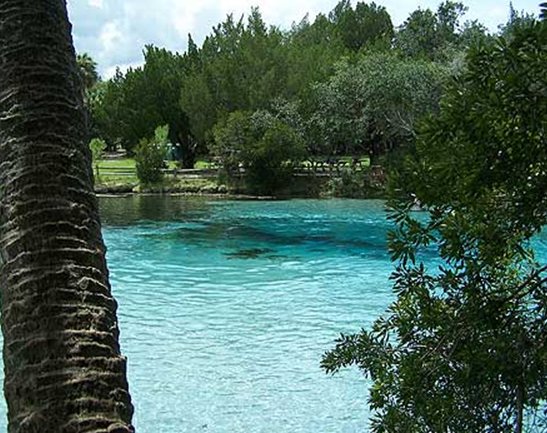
114 32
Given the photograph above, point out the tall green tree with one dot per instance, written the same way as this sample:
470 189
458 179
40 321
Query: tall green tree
365 26
105 105
162 77
265 146
312 51
373 106
464 346
62 363
130 106
426 34
87 67
241 66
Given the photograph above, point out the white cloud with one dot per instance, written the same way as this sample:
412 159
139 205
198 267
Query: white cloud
114 32
110 36
96 3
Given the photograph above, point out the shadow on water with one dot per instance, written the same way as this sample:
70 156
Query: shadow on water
143 210
264 230
251 253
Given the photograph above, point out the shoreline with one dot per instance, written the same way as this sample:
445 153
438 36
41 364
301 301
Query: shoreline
193 194
299 189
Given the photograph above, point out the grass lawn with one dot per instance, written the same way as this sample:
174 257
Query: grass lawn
129 163
120 171
117 163
115 172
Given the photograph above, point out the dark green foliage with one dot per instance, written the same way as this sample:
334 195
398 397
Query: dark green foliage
464 347
516 20
87 68
105 106
365 26
150 157
347 82
130 106
264 146
435 35
312 51
373 105
239 67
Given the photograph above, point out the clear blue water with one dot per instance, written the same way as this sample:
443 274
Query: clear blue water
226 308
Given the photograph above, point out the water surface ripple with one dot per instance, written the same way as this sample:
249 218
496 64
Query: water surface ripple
226 308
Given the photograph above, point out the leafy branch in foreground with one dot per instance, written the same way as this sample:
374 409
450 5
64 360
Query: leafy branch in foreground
463 348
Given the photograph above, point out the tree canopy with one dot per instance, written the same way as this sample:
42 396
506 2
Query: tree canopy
464 345
246 65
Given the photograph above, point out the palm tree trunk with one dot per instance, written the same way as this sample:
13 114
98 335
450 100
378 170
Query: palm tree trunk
63 367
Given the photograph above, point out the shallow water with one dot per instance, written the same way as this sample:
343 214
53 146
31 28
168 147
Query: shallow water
226 308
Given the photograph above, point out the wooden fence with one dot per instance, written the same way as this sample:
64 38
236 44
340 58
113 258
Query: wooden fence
327 168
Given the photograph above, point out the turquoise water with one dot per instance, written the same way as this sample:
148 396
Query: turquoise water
227 307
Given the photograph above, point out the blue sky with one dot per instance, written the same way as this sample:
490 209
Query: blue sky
114 32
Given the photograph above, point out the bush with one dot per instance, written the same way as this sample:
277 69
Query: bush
354 183
97 147
265 146
150 157
350 184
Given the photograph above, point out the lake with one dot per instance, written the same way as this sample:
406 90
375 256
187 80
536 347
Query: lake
226 308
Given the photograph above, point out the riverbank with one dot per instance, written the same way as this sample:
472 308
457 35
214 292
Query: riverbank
346 185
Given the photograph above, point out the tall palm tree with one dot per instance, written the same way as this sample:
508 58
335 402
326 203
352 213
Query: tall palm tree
63 368
87 67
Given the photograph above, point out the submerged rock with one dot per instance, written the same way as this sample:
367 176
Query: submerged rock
251 253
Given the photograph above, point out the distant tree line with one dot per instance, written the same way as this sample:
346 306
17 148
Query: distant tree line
348 83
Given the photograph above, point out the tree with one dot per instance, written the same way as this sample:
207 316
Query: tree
464 347
516 20
87 68
130 106
312 51
366 26
265 146
241 66
62 362
196 99
150 156
426 34
162 78
373 106
104 103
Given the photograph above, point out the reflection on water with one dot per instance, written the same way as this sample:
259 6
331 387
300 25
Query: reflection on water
126 211
227 307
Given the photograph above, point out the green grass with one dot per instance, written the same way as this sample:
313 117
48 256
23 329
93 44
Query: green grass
110 180
129 163
109 177
117 163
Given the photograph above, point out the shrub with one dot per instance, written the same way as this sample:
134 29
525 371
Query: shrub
150 157
265 146
97 147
